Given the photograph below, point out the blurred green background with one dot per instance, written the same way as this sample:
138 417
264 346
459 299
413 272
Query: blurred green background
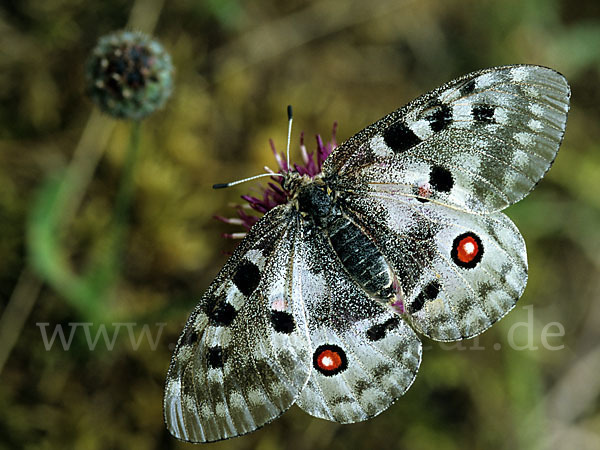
238 64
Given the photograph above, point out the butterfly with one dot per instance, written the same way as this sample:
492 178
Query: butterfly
401 234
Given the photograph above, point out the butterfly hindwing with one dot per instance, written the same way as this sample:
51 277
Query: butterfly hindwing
459 272
364 356
244 354
479 143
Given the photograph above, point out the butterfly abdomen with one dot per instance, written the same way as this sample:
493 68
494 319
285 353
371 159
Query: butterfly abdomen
360 257
356 251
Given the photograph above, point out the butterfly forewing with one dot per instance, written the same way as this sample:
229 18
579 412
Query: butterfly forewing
244 354
479 143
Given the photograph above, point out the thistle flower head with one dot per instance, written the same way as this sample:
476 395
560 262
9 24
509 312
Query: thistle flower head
274 193
129 75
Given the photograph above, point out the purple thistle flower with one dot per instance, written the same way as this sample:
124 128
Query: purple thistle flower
274 194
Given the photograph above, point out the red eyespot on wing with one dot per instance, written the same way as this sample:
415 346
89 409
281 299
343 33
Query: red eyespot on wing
424 190
330 360
467 250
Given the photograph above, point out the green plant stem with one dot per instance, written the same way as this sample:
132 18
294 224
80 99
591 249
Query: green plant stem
125 195
87 290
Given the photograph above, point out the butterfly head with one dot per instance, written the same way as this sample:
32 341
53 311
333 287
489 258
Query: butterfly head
292 180
286 182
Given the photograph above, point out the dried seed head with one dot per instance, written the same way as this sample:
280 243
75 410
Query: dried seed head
129 75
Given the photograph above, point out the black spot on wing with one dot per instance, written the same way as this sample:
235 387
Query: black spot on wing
429 292
483 113
440 118
378 331
247 277
190 337
215 358
432 290
417 304
400 138
441 179
468 87
222 315
282 321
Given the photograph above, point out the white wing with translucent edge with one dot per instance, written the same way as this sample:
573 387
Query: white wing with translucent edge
244 354
478 143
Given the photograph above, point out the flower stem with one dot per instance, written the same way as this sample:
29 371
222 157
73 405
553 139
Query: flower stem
125 194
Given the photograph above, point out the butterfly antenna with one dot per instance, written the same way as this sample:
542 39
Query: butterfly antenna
233 183
289 136
270 174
